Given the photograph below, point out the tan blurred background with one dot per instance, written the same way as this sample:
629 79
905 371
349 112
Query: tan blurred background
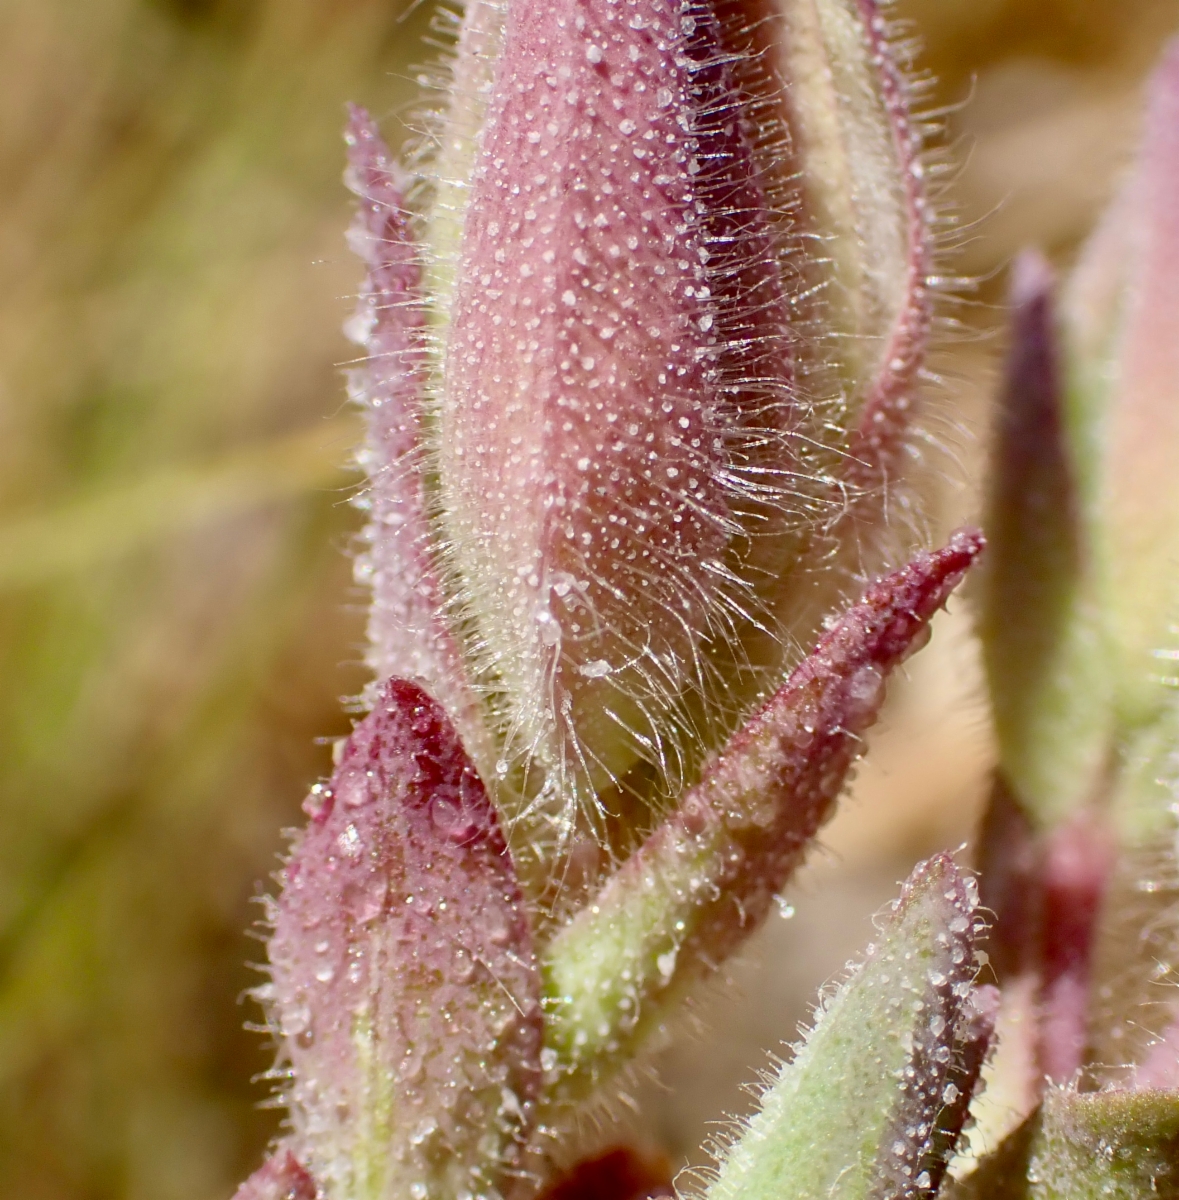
177 621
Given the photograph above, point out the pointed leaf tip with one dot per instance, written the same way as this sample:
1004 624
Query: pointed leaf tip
836 83
704 879
408 633
404 988
279 1178
874 1099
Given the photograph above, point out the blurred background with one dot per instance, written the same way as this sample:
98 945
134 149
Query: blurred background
177 619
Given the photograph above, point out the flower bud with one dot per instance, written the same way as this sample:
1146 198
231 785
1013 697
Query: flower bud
654 394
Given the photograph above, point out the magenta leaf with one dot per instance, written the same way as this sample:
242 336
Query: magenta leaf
705 879
409 637
404 989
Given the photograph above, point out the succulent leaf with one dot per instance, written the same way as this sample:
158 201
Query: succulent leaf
1040 619
404 988
279 1178
874 1099
407 630
703 881
1122 309
1115 1145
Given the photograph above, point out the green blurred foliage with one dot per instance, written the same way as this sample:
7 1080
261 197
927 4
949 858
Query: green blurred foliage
177 621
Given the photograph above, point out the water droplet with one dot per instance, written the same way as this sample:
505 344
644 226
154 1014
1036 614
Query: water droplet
423 1131
452 820
349 842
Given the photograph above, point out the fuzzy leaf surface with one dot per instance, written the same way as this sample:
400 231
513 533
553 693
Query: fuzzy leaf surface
855 1114
705 879
577 443
407 629
1116 1145
863 194
404 987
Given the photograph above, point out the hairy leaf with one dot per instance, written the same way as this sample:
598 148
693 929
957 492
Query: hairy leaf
404 988
408 633
1106 1146
703 881
874 1099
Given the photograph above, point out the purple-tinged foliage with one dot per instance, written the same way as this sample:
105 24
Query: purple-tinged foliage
1075 866
408 633
633 482
973 1041
705 879
1008 863
1078 595
579 457
885 411
404 988
636 405
1042 645
279 1178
